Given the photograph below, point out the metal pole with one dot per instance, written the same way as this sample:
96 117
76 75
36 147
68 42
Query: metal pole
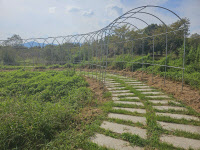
165 58
183 59
153 59
92 59
123 59
132 56
142 57
96 62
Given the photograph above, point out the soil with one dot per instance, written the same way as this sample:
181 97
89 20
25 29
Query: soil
88 114
98 88
189 95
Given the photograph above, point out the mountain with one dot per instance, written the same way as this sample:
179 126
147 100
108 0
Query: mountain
34 44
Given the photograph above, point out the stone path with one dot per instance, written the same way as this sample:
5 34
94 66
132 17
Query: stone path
181 129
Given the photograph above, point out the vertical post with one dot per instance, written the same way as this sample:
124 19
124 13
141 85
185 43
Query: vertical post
96 61
101 60
84 58
80 57
88 56
123 59
92 59
165 58
183 58
153 58
106 57
132 56
142 57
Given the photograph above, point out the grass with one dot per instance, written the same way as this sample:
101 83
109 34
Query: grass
47 110
58 118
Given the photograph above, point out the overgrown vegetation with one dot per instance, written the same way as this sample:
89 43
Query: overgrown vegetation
41 107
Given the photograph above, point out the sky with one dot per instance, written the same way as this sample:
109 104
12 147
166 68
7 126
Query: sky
48 18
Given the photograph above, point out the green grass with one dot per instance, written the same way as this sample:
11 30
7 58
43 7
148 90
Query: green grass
43 110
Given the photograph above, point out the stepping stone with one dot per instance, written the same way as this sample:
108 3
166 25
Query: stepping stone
113 143
178 116
159 101
134 82
112 86
112 83
130 98
132 103
141 87
134 119
169 107
115 88
152 93
120 91
142 111
182 142
131 81
162 101
121 94
119 128
117 98
160 96
144 90
182 127
138 84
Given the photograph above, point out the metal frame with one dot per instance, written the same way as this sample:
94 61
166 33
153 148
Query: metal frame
98 42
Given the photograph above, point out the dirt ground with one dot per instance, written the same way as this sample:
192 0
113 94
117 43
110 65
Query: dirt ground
89 114
188 96
97 88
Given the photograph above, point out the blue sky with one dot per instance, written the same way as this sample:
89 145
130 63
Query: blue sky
43 18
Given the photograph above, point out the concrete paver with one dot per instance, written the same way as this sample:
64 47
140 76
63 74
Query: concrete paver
143 111
169 107
182 142
120 91
151 93
159 96
162 101
127 102
178 116
120 128
141 87
141 90
110 142
182 127
121 94
134 119
115 88
130 97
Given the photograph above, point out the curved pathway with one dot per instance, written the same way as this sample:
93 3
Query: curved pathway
142 117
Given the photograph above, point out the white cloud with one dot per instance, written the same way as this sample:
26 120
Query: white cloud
72 9
114 10
88 13
52 10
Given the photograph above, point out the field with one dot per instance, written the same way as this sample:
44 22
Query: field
46 110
